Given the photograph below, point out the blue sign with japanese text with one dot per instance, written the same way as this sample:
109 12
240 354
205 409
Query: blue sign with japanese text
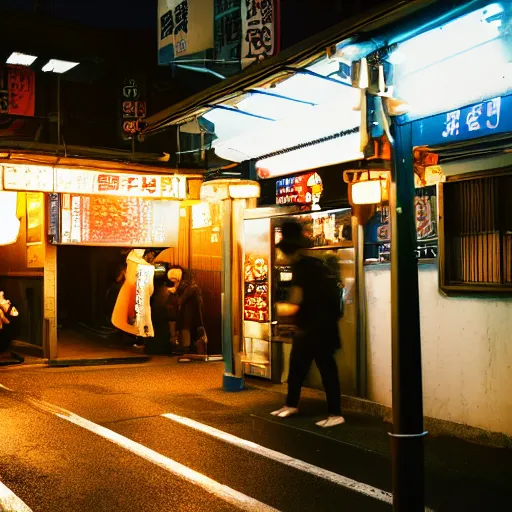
488 117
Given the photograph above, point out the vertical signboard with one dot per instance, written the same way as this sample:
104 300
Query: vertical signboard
133 109
21 91
260 30
185 27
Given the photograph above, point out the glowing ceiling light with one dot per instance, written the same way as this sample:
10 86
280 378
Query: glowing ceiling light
20 59
324 120
59 66
338 150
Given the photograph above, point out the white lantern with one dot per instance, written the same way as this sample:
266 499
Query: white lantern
9 223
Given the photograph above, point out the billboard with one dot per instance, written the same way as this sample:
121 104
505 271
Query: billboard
185 27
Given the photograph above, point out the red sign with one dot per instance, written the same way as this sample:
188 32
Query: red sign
303 189
21 90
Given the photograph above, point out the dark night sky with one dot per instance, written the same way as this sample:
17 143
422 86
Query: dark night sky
98 13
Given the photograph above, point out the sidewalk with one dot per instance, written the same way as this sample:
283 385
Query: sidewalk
459 475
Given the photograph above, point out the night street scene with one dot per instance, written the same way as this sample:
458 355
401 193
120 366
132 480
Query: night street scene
255 255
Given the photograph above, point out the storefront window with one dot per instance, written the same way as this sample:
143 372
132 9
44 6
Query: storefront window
377 231
477 235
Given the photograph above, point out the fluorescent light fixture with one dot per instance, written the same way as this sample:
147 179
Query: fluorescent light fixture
484 71
343 149
453 38
333 116
366 192
21 59
59 66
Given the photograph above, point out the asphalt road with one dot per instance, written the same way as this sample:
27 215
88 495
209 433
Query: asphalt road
118 452
54 464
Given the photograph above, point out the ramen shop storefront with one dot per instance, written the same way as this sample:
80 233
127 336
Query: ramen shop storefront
89 220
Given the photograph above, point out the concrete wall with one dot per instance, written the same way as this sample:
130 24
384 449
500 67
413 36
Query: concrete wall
466 352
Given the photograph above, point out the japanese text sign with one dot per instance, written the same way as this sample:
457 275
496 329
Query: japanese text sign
488 117
21 90
259 30
185 28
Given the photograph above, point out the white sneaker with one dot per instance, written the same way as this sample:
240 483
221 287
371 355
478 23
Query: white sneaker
331 421
285 412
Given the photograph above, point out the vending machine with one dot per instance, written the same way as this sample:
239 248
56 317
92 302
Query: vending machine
268 277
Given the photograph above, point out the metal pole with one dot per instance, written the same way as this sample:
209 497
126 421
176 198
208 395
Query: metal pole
361 358
408 433
58 112
227 342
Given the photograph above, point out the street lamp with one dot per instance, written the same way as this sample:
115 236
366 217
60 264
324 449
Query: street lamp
59 67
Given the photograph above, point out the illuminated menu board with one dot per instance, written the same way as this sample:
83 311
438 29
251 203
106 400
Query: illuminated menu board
122 221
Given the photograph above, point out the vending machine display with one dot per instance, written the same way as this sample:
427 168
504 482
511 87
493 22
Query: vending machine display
268 278
256 299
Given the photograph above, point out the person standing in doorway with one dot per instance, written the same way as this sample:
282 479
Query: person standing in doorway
314 302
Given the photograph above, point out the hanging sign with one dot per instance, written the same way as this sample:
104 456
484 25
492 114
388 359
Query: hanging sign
185 27
21 91
303 189
133 110
260 27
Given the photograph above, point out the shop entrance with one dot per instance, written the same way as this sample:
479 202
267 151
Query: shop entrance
88 279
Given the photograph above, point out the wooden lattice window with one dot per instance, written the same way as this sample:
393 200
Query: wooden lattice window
477 234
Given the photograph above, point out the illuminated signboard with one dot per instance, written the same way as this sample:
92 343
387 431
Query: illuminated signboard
482 119
303 189
122 221
37 178
133 185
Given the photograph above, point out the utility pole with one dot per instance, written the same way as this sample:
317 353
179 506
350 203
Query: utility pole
408 434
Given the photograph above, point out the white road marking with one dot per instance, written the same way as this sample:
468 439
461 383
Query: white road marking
330 476
217 489
9 502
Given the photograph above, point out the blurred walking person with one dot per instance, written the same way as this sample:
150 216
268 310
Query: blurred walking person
314 302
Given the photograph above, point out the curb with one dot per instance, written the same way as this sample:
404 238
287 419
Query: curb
56 363
435 427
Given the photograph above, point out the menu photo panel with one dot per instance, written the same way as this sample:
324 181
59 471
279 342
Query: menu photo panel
118 221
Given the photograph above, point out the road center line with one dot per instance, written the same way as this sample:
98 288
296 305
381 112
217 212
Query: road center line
217 489
325 474
9 502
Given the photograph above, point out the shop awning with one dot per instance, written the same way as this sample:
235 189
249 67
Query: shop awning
281 66
299 111
385 25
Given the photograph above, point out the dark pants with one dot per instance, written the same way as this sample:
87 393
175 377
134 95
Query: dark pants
305 350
